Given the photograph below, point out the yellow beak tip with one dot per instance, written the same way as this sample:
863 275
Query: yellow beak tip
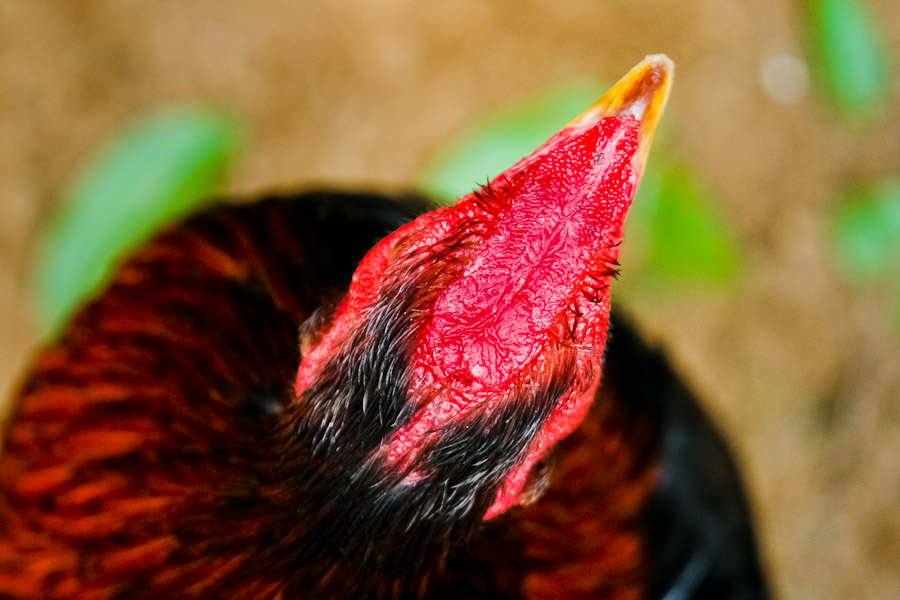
641 93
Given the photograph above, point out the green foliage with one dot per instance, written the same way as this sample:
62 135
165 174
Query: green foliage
682 239
153 173
497 143
865 237
866 233
850 57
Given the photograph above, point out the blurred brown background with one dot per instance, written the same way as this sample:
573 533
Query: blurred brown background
798 367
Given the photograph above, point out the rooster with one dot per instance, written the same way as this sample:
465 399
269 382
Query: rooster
440 431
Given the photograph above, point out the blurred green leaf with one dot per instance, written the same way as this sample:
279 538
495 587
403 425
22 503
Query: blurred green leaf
677 234
895 318
851 60
153 173
866 232
497 143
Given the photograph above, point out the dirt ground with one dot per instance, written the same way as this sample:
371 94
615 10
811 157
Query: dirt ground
798 368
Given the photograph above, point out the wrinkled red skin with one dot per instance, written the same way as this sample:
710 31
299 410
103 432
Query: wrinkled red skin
534 274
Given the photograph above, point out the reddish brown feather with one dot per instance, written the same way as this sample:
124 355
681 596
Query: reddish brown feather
583 538
76 520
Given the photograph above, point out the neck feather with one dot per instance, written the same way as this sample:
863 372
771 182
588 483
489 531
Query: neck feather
354 510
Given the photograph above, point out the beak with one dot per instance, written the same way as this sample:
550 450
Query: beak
642 93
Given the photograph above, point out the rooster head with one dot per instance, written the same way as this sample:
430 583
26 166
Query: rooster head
471 339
